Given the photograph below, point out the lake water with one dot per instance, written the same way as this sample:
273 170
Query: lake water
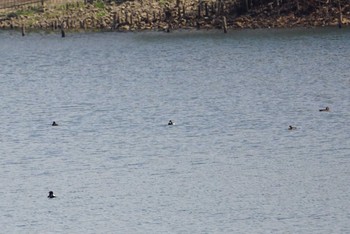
229 165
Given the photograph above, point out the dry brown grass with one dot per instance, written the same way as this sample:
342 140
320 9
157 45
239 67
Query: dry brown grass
10 5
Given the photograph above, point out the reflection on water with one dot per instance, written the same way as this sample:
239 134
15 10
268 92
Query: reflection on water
229 165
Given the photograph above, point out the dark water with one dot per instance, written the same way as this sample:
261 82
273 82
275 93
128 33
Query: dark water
229 165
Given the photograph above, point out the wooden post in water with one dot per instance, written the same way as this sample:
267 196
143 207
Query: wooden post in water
63 34
85 25
340 18
23 30
224 24
102 24
168 28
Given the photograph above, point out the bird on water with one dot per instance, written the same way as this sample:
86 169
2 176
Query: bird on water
325 109
51 195
291 127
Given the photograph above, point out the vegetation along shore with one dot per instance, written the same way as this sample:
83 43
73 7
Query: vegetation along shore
168 15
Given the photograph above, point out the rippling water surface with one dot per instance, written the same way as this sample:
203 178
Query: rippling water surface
229 165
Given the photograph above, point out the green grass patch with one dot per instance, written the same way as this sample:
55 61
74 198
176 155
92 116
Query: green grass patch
101 14
27 12
61 7
162 2
99 4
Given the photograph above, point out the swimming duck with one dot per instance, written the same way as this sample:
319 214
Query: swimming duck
54 123
325 109
171 122
51 195
291 127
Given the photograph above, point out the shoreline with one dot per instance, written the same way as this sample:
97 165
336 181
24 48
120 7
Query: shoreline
181 30
139 16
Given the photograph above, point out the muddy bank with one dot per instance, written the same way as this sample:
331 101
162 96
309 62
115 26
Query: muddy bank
172 15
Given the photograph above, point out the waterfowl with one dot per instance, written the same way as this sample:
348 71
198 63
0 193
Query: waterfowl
325 109
171 123
54 123
51 195
291 127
